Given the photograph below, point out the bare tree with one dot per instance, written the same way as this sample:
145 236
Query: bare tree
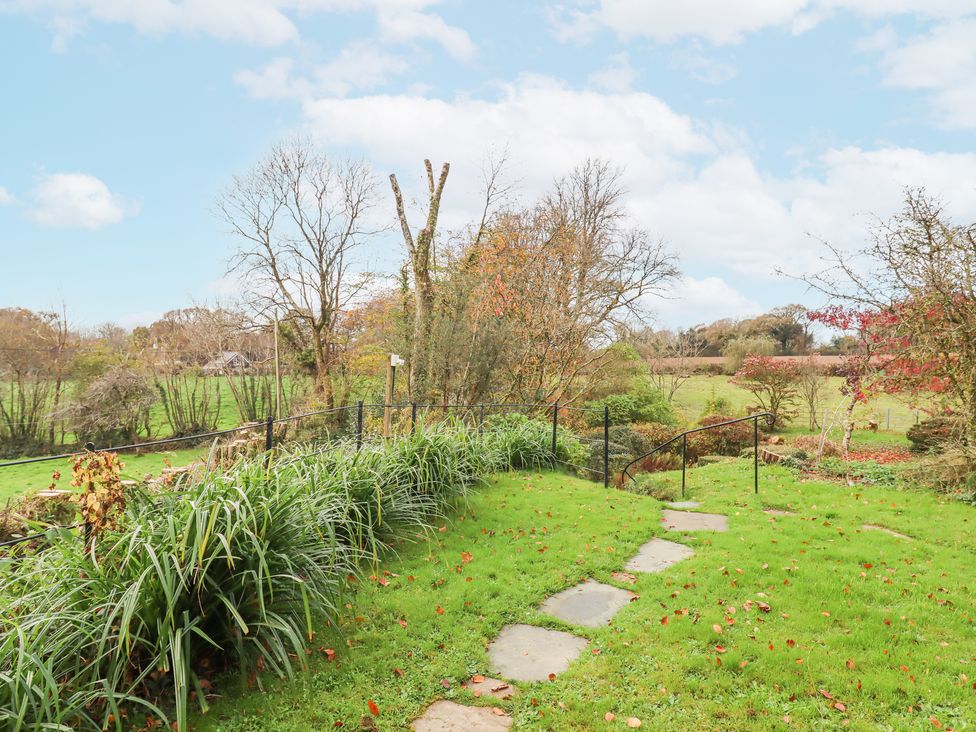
420 251
300 215
670 358
812 386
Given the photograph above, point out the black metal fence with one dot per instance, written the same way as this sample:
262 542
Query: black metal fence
362 422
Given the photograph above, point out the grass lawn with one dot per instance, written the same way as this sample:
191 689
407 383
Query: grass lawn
865 631
21 479
691 398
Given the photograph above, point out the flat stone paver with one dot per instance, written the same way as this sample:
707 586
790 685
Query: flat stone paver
448 716
527 653
690 521
590 603
484 686
682 504
778 512
657 555
885 529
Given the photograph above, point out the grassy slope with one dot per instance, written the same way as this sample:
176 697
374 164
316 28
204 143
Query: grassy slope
901 611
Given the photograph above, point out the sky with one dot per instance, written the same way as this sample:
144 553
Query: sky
748 133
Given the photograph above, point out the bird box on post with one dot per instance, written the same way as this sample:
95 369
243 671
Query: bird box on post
395 361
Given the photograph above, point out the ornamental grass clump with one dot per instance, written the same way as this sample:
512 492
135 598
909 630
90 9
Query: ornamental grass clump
234 571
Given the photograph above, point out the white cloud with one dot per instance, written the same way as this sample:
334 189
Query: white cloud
943 62
721 21
358 66
6 197
402 25
701 66
76 201
257 22
697 188
617 76
690 301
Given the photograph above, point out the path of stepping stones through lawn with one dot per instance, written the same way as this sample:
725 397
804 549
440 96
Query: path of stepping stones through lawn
527 653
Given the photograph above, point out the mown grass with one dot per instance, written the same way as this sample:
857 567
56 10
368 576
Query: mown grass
691 398
21 479
882 625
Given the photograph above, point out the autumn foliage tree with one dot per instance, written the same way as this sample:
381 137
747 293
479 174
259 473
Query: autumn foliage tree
911 291
774 384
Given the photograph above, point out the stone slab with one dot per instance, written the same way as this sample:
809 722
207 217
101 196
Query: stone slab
527 653
657 555
885 529
691 521
590 603
682 504
777 512
483 686
448 716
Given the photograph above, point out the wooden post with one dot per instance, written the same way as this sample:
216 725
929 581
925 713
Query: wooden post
388 400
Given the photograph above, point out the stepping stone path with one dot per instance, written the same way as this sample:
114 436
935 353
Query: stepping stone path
689 521
778 512
657 555
529 653
448 716
590 603
885 529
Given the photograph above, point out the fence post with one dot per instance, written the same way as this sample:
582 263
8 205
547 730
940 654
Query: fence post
413 417
555 425
755 453
359 425
481 418
268 438
684 446
888 421
606 446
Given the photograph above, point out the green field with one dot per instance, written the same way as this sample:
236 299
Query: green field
20 479
691 398
865 631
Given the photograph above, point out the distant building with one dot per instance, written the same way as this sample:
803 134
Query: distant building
227 362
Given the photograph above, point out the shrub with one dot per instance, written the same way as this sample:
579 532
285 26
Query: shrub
643 403
716 404
934 433
234 570
811 445
728 440
115 406
655 486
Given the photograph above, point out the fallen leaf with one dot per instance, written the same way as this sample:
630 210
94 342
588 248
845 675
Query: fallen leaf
498 712
850 664
440 610
840 706
633 722
609 716
552 677
477 679
445 683
720 649
373 709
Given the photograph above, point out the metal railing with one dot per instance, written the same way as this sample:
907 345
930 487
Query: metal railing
754 418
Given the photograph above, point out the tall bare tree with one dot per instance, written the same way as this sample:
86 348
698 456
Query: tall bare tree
300 216
420 251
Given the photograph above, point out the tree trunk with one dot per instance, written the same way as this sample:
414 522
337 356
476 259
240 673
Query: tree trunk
848 426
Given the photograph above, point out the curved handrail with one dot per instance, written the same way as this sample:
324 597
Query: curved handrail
770 421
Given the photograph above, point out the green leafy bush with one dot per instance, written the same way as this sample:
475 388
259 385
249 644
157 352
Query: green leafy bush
933 434
643 403
655 486
728 440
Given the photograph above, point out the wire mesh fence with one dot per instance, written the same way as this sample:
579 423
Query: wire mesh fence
358 424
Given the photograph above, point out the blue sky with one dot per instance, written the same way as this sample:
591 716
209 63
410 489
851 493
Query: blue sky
746 130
